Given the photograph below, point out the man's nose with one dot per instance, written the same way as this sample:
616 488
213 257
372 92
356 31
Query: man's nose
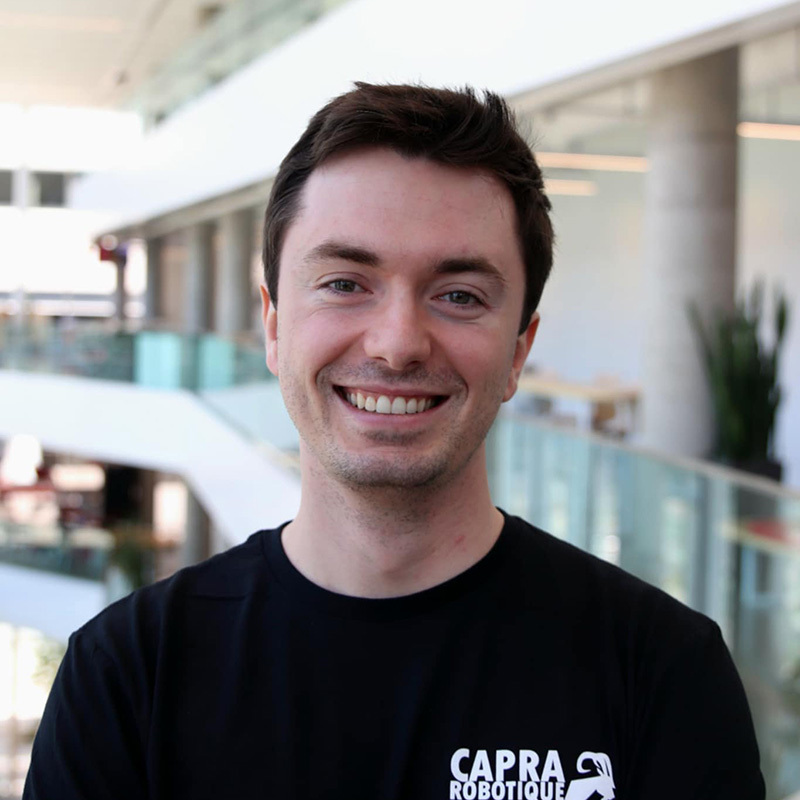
398 333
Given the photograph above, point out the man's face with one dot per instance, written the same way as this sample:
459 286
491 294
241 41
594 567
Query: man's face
401 288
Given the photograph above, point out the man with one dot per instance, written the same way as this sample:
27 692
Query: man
401 637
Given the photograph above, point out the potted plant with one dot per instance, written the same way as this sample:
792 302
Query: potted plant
743 378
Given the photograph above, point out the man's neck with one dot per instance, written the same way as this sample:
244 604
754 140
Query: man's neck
369 542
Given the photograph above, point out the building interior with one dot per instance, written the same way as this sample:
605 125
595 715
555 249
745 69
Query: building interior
140 429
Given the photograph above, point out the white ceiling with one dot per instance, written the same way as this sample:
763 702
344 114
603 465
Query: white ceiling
96 52
89 52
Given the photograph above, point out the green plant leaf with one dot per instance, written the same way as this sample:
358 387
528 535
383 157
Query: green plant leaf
742 374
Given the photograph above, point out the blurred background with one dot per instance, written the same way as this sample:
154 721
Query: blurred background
658 420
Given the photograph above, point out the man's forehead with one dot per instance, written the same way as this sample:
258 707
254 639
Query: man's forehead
385 186
362 162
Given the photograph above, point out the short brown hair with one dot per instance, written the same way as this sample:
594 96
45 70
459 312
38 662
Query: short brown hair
447 126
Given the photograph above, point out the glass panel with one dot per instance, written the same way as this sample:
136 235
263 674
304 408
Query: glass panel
82 553
764 623
48 189
158 360
726 545
216 363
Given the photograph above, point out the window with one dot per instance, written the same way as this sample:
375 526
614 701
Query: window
48 189
6 190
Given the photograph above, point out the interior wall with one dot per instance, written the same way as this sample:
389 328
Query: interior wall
591 307
592 320
769 248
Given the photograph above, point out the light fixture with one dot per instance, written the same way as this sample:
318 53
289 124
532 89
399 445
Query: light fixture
768 130
608 163
602 163
554 186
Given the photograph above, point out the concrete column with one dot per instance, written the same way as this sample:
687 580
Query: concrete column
690 242
198 277
232 298
21 188
197 540
152 292
119 290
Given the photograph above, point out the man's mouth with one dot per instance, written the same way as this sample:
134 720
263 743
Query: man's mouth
389 404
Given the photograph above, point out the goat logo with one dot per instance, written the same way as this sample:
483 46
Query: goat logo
602 783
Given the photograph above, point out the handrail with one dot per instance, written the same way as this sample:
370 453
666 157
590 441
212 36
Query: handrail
709 469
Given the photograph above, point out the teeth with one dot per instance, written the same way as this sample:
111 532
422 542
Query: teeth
383 405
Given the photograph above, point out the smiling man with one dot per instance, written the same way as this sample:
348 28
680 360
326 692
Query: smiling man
401 637
401 285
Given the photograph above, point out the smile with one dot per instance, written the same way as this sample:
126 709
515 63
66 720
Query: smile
384 404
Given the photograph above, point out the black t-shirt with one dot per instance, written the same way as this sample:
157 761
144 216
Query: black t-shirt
540 672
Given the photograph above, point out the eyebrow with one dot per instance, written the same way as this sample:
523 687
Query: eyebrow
342 251
475 264
331 250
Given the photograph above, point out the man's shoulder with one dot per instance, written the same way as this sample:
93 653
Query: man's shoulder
228 577
577 585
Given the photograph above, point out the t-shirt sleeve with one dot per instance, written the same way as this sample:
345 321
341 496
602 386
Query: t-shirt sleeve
695 738
89 743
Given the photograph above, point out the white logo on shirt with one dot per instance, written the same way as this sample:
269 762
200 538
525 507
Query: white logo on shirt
602 782
518 776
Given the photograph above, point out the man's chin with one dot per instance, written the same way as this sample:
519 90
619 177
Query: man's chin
387 473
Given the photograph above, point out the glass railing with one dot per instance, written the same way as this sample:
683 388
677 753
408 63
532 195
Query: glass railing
229 375
121 560
82 554
157 359
719 541
36 345
722 542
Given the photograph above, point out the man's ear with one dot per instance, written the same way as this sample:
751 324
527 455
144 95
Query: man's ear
269 318
521 349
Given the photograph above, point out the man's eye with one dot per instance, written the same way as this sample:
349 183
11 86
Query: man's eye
343 286
461 298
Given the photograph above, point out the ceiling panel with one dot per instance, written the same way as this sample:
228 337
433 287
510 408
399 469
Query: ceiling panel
73 52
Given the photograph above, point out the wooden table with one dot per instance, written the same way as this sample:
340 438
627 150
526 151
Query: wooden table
605 398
